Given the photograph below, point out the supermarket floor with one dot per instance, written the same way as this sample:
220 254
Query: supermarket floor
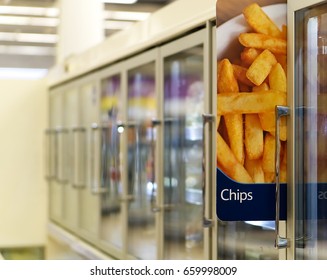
60 245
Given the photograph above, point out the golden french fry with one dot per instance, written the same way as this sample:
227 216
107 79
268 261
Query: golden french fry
253 137
282 60
240 74
262 87
261 67
263 42
284 32
217 122
283 165
267 121
248 55
229 164
277 78
249 102
234 123
268 124
254 168
268 158
234 126
260 22
269 177
226 81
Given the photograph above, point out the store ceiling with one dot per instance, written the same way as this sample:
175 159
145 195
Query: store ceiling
28 28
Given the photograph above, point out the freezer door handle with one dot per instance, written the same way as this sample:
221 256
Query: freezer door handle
206 119
153 200
280 111
61 156
77 161
97 184
49 173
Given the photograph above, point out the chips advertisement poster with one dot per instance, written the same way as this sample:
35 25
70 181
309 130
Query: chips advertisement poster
251 81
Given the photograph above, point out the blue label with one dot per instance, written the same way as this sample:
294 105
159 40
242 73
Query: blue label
248 202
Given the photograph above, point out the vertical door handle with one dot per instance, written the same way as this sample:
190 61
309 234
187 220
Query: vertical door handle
61 155
280 242
48 151
154 205
96 186
206 118
76 182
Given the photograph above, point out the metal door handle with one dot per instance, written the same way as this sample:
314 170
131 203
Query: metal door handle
153 199
76 184
48 145
280 242
60 178
95 188
206 118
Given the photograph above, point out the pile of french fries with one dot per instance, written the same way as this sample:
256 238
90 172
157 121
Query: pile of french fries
248 91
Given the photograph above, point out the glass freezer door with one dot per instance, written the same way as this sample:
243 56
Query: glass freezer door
141 110
89 204
310 128
183 106
111 225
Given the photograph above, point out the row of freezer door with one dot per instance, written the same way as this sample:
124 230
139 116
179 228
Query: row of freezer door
122 176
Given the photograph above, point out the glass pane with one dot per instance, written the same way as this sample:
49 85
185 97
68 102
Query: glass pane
70 120
183 108
141 110
311 132
88 202
55 189
111 211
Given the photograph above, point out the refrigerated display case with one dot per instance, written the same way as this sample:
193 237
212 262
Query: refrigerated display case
54 135
186 93
140 149
140 137
307 102
112 214
89 202
63 195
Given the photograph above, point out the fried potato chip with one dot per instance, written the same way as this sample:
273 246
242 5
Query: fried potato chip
263 42
229 164
240 74
249 102
254 168
234 122
277 78
253 137
268 158
283 165
269 177
262 87
261 67
260 22
226 81
248 55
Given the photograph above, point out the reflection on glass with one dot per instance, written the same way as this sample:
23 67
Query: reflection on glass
311 133
183 108
88 202
110 174
141 186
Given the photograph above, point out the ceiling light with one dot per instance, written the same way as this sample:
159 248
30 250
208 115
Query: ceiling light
27 50
119 1
122 15
34 21
33 11
22 73
28 37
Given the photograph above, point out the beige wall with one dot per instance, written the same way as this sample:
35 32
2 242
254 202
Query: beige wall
23 192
